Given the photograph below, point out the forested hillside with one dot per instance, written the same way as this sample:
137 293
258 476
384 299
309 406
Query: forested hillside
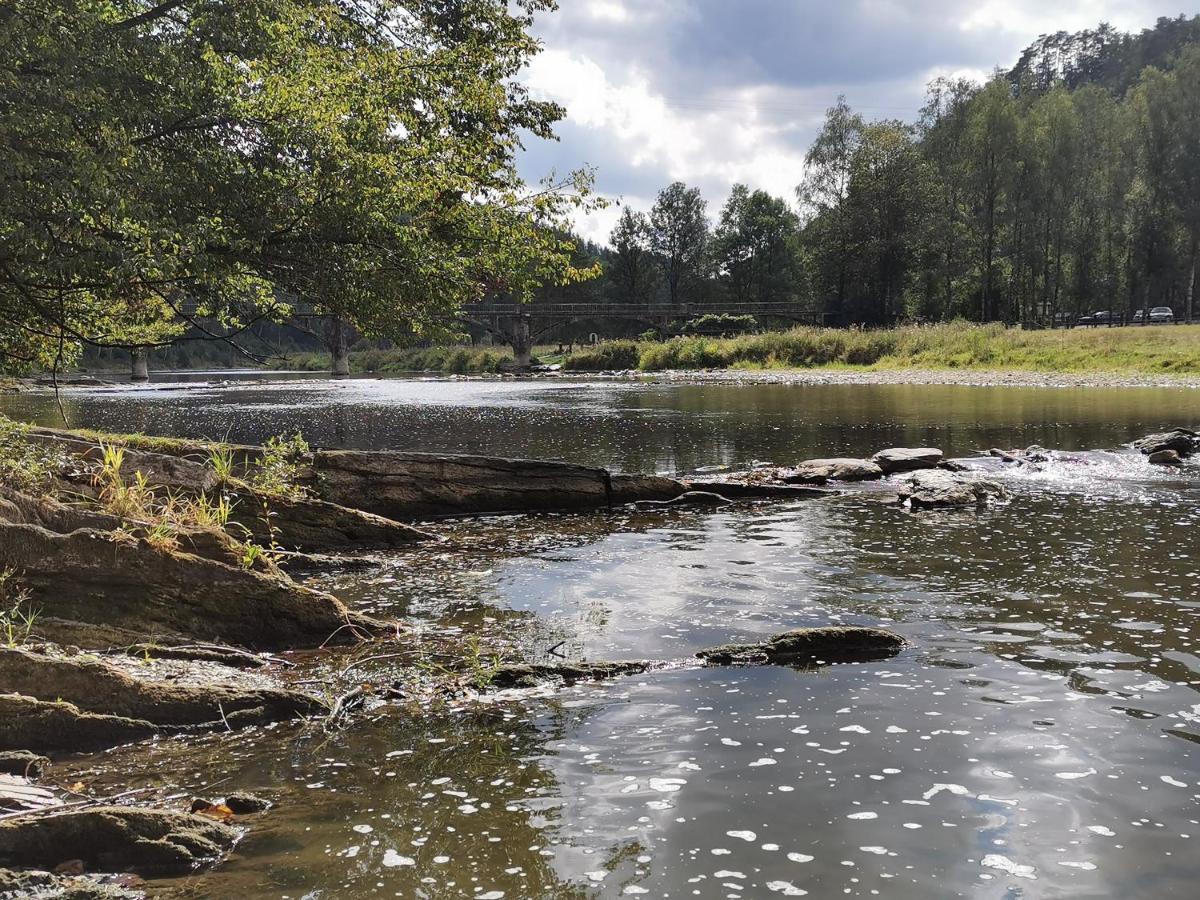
1069 184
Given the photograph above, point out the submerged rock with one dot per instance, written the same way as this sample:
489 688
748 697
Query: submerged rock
828 644
936 487
527 675
907 459
838 469
246 804
116 838
1183 441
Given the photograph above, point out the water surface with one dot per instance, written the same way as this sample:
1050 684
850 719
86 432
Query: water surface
1039 737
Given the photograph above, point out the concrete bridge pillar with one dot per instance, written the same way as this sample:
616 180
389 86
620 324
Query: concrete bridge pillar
139 364
522 342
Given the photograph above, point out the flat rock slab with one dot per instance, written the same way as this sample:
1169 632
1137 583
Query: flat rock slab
116 838
166 693
415 485
939 488
687 499
907 459
52 726
838 469
307 524
758 490
834 643
632 488
97 577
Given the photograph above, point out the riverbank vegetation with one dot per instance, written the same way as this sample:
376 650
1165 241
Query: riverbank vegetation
958 345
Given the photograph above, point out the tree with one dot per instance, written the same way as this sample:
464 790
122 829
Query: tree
679 236
825 189
755 248
887 196
205 163
990 141
631 268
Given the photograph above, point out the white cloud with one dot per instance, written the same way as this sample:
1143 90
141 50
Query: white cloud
713 92
711 142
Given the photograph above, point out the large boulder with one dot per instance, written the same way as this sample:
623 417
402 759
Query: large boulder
116 838
907 459
838 469
1182 440
939 488
833 643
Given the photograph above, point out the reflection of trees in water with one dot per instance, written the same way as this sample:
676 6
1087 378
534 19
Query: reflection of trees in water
493 754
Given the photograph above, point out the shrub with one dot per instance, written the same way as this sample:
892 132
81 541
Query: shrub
607 356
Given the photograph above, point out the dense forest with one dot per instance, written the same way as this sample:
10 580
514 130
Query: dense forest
1067 185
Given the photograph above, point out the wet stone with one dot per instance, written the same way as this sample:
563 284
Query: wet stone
829 643
907 459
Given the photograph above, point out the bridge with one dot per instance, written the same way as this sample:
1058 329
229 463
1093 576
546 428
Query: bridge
520 325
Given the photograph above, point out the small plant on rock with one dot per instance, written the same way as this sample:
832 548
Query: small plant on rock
17 618
277 472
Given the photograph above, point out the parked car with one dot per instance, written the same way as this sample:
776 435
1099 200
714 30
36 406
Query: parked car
1084 321
1159 315
1102 317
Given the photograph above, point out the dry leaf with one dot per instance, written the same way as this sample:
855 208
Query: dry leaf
218 811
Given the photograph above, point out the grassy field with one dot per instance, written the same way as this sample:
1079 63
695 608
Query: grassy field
958 345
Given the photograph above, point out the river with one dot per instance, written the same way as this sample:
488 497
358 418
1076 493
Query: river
1039 738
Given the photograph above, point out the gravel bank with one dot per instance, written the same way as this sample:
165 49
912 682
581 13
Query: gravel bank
976 378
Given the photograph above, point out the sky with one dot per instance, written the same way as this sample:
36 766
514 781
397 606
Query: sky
713 92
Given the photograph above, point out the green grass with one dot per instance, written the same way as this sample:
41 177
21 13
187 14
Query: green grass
447 360
957 345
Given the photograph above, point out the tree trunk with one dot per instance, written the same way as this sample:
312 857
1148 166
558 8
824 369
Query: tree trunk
1191 289
338 342
139 365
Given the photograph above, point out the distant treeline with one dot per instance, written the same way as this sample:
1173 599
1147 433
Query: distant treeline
1067 185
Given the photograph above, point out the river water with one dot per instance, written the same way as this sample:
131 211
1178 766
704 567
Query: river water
1038 739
